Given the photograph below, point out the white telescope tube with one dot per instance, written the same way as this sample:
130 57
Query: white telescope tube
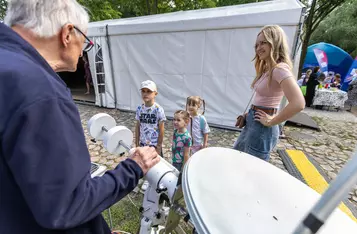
163 174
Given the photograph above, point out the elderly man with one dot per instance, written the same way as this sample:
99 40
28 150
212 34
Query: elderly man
45 181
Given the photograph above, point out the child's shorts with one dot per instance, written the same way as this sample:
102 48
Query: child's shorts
178 166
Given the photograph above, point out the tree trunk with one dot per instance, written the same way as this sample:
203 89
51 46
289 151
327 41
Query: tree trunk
148 6
307 36
156 9
304 46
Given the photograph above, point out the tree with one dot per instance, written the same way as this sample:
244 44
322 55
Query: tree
101 9
184 5
344 28
235 2
110 9
132 8
3 7
316 12
97 9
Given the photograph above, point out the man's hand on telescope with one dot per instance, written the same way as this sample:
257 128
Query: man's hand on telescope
146 157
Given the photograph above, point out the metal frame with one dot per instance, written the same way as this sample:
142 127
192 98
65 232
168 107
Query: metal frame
98 60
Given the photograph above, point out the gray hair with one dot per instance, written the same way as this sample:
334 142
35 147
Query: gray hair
45 18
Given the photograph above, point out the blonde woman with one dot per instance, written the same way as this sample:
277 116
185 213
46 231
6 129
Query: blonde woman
274 79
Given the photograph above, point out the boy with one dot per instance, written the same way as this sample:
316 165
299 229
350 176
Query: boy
150 118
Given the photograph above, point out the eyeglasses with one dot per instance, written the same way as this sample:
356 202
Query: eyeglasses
89 44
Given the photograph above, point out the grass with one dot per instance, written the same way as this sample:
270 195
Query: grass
126 217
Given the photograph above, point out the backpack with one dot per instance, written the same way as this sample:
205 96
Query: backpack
202 125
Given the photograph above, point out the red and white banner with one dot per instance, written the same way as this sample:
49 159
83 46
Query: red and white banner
322 60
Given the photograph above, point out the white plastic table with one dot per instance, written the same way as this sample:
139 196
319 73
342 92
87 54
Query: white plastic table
330 98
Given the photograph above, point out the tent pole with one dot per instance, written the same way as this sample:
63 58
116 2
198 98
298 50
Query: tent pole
296 44
111 64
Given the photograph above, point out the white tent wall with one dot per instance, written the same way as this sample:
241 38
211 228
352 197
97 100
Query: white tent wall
205 63
207 53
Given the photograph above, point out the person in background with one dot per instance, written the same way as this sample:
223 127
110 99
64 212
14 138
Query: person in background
87 73
45 180
352 94
307 76
274 79
328 79
304 78
198 126
321 77
337 81
150 121
301 80
311 86
181 140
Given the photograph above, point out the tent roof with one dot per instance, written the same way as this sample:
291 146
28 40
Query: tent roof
246 15
338 60
335 54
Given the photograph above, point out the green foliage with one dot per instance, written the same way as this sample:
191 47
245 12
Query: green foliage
133 8
317 11
97 9
235 2
3 6
148 7
101 9
184 5
114 9
305 2
344 28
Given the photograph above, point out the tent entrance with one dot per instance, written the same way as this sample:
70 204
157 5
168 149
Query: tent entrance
77 84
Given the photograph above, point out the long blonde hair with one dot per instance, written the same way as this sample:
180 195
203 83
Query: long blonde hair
279 52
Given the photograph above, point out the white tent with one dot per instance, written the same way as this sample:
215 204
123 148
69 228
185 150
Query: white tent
204 52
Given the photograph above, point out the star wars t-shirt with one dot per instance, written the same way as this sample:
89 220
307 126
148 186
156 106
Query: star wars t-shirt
150 118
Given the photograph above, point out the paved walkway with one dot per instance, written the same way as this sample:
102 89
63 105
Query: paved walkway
331 147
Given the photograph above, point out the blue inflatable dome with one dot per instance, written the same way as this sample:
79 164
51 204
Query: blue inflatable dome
339 61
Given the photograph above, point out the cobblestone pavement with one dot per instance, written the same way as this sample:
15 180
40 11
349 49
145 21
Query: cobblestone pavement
344 116
331 147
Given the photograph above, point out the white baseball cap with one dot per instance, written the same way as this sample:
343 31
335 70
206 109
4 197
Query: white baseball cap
149 84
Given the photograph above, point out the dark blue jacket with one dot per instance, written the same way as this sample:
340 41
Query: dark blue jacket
45 182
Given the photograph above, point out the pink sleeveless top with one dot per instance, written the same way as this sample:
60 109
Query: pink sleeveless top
270 96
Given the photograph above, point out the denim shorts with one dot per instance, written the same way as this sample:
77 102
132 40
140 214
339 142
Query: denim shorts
257 139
